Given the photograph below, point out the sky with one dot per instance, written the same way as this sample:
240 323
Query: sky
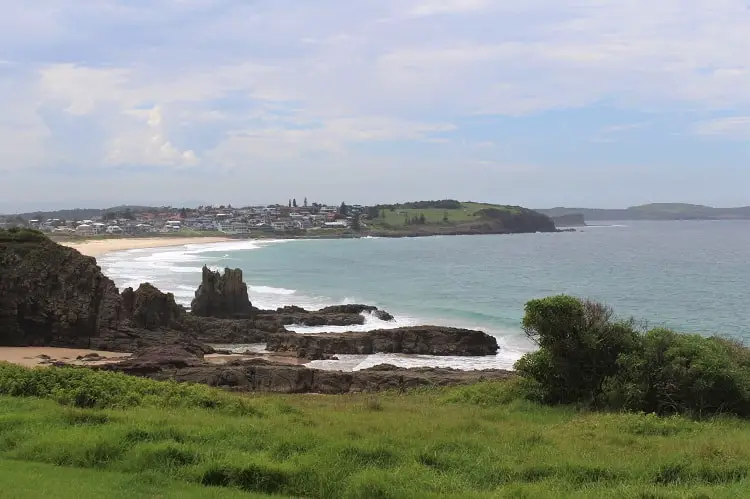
540 103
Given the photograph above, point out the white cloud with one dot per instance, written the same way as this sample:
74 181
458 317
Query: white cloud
435 7
735 127
147 145
175 83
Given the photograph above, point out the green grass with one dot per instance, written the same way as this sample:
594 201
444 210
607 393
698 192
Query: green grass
24 480
479 441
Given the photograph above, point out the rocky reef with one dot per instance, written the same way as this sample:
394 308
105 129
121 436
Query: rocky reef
420 340
51 295
258 375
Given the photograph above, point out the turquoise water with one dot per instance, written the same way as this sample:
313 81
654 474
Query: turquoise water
691 276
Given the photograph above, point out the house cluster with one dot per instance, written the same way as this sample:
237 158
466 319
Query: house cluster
224 219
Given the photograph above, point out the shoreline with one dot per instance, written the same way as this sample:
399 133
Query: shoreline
100 247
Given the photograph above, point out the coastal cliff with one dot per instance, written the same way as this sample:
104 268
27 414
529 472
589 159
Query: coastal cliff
52 295
569 220
449 217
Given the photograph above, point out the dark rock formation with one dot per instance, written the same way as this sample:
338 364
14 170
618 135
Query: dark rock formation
422 340
222 296
149 308
570 220
514 219
357 309
156 359
263 376
337 315
52 295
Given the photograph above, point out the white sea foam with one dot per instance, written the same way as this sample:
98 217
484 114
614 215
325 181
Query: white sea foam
271 291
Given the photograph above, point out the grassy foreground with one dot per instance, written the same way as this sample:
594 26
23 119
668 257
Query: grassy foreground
480 441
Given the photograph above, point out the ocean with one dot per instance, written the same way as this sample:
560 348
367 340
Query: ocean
690 276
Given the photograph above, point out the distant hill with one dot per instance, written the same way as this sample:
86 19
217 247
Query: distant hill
80 213
654 211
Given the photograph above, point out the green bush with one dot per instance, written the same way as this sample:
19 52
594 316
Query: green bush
87 388
587 356
579 342
20 235
680 373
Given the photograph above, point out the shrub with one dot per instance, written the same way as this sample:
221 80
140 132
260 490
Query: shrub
20 235
579 342
86 388
588 356
681 373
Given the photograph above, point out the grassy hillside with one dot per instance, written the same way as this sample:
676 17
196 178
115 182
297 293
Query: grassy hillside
480 441
395 217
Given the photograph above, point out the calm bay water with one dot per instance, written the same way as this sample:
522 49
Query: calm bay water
691 276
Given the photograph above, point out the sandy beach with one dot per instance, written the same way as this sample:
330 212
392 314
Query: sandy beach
101 246
35 356
43 356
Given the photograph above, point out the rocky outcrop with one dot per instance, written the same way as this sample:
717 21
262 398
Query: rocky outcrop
514 219
153 360
421 340
149 308
570 220
338 315
264 376
222 296
52 295
357 309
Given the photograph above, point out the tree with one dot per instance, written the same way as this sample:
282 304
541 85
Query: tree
290 203
445 217
128 214
344 210
373 212
183 213
382 213
356 226
305 202
294 202
422 219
